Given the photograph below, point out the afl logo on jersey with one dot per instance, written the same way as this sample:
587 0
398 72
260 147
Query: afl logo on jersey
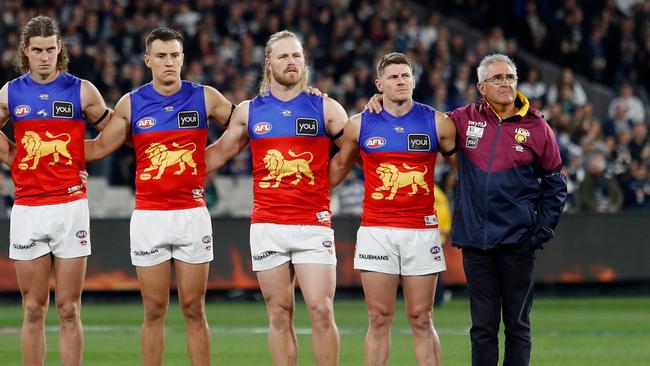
22 110
262 128
146 122
374 142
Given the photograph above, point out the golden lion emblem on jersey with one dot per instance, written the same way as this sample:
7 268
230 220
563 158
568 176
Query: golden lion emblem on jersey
38 148
279 167
162 157
393 179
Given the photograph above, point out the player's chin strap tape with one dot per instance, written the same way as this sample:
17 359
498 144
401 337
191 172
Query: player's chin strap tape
337 136
450 152
101 118
232 109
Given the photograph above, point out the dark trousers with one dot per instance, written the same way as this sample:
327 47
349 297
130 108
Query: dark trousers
500 282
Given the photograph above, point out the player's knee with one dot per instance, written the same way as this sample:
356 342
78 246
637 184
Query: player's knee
420 319
379 318
280 316
34 312
155 312
68 311
322 313
193 311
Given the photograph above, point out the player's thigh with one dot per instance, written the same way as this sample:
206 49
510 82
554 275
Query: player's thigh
33 279
380 291
277 285
419 292
154 283
192 281
317 282
69 274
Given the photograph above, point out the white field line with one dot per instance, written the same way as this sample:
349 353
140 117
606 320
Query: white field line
343 331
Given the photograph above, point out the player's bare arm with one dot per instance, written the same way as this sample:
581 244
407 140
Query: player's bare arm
116 132
94 107
446 137
344 160
234 140
217 106
335 118
7 148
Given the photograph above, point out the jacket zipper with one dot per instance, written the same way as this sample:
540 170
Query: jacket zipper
487 183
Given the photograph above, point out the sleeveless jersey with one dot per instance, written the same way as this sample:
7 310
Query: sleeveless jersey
169 136
290 151
399 156
49 129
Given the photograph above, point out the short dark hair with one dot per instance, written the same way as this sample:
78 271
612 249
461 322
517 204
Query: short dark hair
393 58
163 34
40 26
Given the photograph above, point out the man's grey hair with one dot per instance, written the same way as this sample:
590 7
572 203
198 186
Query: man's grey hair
488 60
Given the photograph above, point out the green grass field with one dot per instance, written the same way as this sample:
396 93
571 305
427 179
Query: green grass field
576 331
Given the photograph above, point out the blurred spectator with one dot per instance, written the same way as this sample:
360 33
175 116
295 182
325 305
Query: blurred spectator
599 191
632 105
636 188
532 86
579 97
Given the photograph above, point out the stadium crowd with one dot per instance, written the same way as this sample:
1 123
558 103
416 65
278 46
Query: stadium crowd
606 157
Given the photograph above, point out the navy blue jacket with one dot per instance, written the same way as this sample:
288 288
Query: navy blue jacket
511 189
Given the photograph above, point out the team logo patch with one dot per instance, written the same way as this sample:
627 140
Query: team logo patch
207 239
62 109
146 122
328 243
286 113
306 127
197 193
399 129
374 142
188 119
280 167
521 135
162 157
323 216
393 179
44 97
474 131
38 148
82 234
22 110
261 128
430 220
471 142
169 108
419 142
435 250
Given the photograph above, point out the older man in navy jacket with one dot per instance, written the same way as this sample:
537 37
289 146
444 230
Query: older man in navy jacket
511 196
